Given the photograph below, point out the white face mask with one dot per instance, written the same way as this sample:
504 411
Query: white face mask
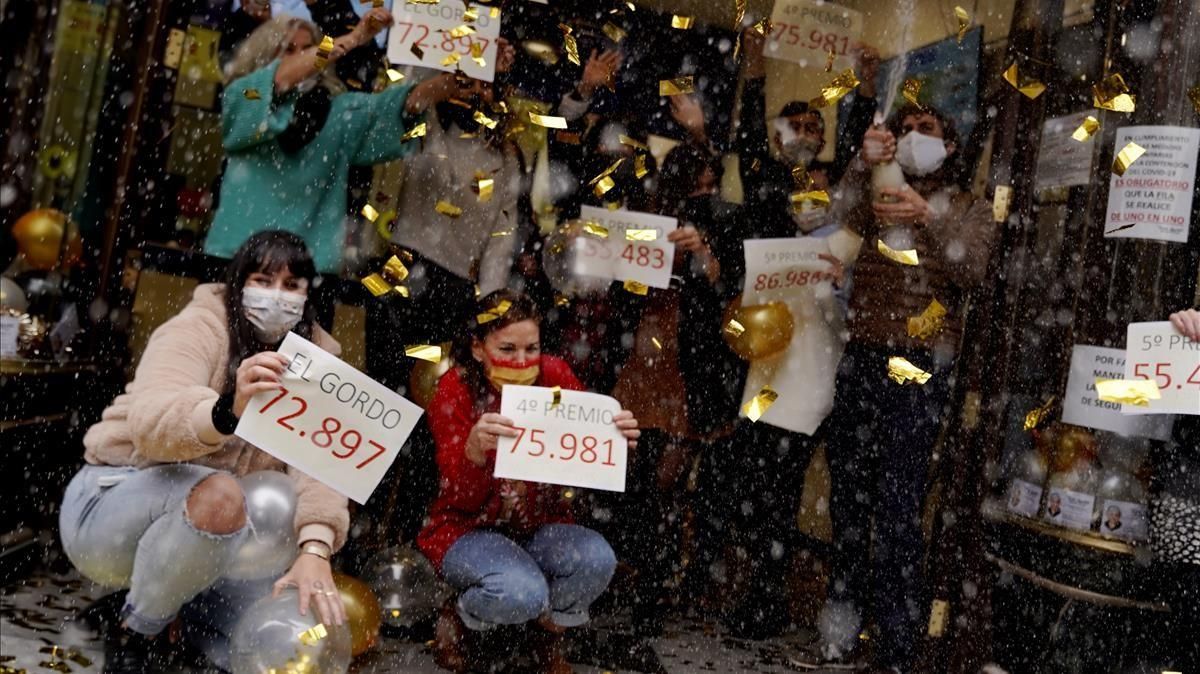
272 312
808 220
919 154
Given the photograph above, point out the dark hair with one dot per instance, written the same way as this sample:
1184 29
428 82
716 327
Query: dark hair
266 252
681 171
797 108
520 308
896 123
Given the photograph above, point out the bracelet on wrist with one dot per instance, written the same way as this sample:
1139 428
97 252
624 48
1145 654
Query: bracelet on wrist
316 548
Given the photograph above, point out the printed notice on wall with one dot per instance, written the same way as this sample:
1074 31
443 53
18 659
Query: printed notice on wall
1082 407
1153 200
1062 160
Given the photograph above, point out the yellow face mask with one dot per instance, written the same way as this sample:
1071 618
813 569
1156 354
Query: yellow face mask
502 372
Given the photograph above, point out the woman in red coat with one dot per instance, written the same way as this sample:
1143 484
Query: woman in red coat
509 548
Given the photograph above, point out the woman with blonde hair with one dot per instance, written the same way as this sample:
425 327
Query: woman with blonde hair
291 134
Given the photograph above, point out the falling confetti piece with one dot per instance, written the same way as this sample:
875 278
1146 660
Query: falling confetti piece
484 120
548 121
452 59
556 397
568 494
417 51
641 234
819 198
801 178
757 406
676 86
1136 392
633 143
395 270
964 22
251 94
312 635
570 46
377 285
477 54
657 344
1111 93
639 166
394 75
929 323
495 312
471 15
1037 415
448 209
1125 158
485 186
681 22
835 90
461 31
734 328
614 32
595 229
602 186
637 288
901 371
908 257
417 131
1029 86
912 91
829 59
324 50
427 352
763 27
1087 129
1000 203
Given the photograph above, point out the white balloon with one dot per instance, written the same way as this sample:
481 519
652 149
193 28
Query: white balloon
272 636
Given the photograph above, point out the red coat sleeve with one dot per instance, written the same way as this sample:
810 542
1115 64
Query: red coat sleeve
464 486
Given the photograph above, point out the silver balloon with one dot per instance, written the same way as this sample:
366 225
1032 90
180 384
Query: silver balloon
270 546
559 254
408 588
11 295
272 636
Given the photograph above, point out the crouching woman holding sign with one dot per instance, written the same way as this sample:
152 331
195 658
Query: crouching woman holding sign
169 503
508 547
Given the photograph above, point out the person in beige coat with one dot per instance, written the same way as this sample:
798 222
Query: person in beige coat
159 506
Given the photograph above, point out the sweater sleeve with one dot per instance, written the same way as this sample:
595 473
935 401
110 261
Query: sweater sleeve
372 124
319 509
465 486
170 413
250 112
496 261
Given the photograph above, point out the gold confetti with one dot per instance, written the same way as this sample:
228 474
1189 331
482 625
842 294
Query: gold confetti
252 94
417 131
377 285
312 635
548 121
929 323
763 27
739 13
835 90
568 494
1087 129
641 234
964 22
829 59
602 187
816 197
1111 93
1000 203
908 257
657 344
734 328
637 288
912 91
417 51
800 177
1194 95
484 120
595 229
902 371
1029 86
633 143
561 300
324 50
477 54
427 352
494 13
569 44
1137 392
613 31
1125 158
369 212
556 397
486 186
448 209
1037 415
471 15
452 59
639 166
395 270
461 31
757 406
495 312
681 22
54 665
394 75
676 86
502 233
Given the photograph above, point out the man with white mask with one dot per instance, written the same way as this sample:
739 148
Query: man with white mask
882 433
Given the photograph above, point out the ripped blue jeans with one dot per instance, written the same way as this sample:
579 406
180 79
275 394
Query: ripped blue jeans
128 528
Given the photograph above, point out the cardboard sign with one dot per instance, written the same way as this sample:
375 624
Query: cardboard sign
805 31
330 421
1160 352
639 256
574 443
1082 407
1155 194
429 28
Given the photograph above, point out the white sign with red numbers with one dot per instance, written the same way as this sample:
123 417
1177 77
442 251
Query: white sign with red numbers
431 28
329 420
573 442
1160 352
806 31
635 248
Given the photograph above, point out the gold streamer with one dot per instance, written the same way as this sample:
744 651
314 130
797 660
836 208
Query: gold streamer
912 91
901 371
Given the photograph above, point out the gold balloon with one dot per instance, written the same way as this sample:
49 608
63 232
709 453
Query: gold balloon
1064 445
363 613
39 235
422 383
768 329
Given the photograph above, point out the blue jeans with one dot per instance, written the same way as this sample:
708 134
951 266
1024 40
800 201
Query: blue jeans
880 438
561 570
